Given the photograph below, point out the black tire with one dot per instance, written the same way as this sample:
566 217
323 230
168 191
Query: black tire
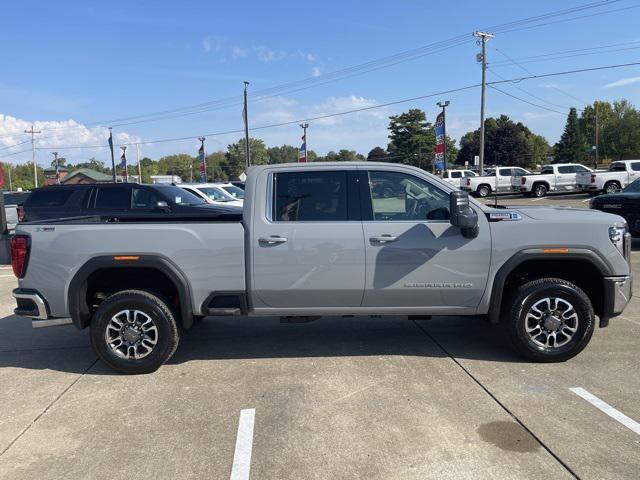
526 297
611 187
166 334
539 190
484 191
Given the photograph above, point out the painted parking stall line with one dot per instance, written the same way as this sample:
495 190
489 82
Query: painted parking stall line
244 444
608 409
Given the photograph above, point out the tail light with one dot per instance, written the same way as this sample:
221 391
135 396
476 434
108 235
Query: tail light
523 180
468 181
20 212
593 178
20 246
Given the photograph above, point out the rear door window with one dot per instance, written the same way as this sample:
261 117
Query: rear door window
52 197
566 169
546 171
635 166
144 199
311 196
113 199
505 172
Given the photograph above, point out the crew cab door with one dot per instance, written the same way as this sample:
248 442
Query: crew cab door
414 256
307 244
634 172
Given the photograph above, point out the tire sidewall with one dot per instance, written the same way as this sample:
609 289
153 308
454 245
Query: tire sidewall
164 323
611 188
539 191
586 323
483 191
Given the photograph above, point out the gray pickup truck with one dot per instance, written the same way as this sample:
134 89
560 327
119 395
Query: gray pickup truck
327 239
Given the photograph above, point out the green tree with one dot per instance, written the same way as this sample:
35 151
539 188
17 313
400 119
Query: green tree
93 164
621 136
235 156
572 146
410 135
377 154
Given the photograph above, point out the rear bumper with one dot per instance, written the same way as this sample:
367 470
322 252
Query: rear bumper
617 293
588 188
32 304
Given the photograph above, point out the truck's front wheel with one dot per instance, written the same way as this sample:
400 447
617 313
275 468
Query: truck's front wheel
550 320
134 331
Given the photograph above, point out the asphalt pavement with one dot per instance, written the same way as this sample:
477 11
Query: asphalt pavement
355 398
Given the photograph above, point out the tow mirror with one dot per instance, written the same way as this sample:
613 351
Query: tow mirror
462 215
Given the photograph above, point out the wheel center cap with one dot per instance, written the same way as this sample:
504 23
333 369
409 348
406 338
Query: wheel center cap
131 335
552 323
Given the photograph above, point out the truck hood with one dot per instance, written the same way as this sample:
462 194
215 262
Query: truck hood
565 215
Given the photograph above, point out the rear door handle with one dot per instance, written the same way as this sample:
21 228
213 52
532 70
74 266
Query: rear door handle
383 239
272 240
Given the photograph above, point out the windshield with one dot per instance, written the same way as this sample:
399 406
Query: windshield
234 191
216 194
633 187
179 196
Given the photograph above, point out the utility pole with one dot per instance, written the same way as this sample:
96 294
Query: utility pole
33 154
245 114
124 161
55 156
482 57
444 106
304 127
139 167
113 161
10 185
595 109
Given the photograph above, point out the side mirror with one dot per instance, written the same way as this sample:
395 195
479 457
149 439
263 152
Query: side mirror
462 215
162 205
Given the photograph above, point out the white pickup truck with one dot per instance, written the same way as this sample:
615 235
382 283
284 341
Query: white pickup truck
619 175
561 177
455 177
484 185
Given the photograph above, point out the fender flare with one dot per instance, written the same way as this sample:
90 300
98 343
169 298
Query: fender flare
578 253
76 295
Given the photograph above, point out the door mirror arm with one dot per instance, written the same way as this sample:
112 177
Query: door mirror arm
462 215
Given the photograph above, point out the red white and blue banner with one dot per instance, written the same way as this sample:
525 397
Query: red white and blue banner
203 165
123 166
302 153
439 131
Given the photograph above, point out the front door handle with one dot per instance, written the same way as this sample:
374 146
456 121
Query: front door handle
272 240
383 239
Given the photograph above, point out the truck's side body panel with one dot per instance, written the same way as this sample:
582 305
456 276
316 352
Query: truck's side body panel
209 255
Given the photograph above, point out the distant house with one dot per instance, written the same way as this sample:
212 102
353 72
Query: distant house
50 175
85 175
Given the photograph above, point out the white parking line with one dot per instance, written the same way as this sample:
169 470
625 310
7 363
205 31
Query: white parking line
608 409
244 444
538 199
586 200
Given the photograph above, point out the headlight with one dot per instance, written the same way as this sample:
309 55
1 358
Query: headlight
617 237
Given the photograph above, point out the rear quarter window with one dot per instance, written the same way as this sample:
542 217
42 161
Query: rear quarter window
635 167
48 198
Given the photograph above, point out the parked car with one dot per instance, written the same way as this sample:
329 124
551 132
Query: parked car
484 185
13 207
109 199
216 193
625 203
454 177
619 175
558 178
317 240
238 184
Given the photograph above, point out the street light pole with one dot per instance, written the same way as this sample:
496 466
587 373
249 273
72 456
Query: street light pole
304 127
247 150
484 37
33 154
444 106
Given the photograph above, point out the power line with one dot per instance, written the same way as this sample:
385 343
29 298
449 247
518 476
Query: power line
525 101
361 109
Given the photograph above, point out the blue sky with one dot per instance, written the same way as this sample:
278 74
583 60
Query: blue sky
79 63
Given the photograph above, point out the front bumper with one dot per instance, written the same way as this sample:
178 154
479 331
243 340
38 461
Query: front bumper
617 293
33 305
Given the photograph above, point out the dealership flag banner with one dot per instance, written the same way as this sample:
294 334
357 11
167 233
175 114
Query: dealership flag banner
203 165
302 154
439 130
123 166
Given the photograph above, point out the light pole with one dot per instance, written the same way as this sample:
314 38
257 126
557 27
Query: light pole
33 154
247 150
444 106
124 163
482 57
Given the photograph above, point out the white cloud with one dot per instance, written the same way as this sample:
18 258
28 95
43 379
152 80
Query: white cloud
57 135
262 53
315 72
206 44
622 82
239 52
538 115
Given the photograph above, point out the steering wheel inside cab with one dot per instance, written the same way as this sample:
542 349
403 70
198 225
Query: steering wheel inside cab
421 205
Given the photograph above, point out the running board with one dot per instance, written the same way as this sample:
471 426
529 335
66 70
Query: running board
51 322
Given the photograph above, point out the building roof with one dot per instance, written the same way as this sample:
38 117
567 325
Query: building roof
53 169
92 174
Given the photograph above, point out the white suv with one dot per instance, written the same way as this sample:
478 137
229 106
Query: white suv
225 193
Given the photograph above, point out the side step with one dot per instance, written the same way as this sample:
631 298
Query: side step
51 322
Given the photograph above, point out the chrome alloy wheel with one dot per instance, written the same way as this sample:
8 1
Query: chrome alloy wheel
551 322
131 334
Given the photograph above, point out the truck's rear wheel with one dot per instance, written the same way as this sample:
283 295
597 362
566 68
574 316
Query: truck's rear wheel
134 331
611 187
550 320
483 190
539 190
